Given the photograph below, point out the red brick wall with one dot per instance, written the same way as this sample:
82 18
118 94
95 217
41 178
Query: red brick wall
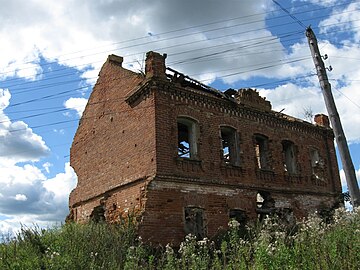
211 167
114 143
121 203
163 219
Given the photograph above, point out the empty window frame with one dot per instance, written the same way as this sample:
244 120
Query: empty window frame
194 222
289 151
187 139
230 145
317 164
265 204
315 158
238 215
261 151
98 214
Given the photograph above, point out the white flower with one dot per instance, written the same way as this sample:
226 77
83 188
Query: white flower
233 224
168 249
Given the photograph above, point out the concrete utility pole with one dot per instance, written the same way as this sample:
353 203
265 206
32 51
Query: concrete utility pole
334 119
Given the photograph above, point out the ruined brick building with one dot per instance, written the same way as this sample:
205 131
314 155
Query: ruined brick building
185 158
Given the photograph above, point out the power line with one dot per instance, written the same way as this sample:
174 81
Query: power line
146 43
292 16
46 97
99 61
253 45
117 99
212 54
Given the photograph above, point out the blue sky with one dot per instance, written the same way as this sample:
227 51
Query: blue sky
51 53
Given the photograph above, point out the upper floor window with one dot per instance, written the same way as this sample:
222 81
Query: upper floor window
289 150
317 164
315 158
262 151
230 146
187 137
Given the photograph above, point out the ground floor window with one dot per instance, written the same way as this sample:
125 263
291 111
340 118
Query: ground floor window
195 222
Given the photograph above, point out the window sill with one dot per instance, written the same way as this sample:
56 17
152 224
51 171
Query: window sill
265 170
230 165
195 160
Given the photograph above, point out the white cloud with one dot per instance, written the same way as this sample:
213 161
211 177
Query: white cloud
109 25
296 99
77 104
11 225
344 19
326 3
27 195
20 197
47 166
62 184
18 143
30 198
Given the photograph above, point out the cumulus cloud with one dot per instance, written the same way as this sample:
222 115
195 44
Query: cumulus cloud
18 142
115 27
77 104
28 197
62 184
325 3
343 19
20 197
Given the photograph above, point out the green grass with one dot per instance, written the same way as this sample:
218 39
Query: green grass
310 244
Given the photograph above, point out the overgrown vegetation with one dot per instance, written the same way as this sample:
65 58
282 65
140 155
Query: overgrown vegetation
310 244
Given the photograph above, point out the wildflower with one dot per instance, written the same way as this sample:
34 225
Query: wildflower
182 247
243 242
339 215
233 224
54 254
168 249
271 249
190 238
203 242
93 254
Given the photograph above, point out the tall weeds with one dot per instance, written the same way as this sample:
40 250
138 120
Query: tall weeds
308 244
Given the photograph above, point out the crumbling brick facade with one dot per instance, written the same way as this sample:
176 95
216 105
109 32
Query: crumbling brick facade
185 158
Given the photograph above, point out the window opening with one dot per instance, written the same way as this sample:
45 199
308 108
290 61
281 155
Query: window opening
315 158
261 152
229 143
239 215
289 156
98 214
194 222
265 204
317 164
186 138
